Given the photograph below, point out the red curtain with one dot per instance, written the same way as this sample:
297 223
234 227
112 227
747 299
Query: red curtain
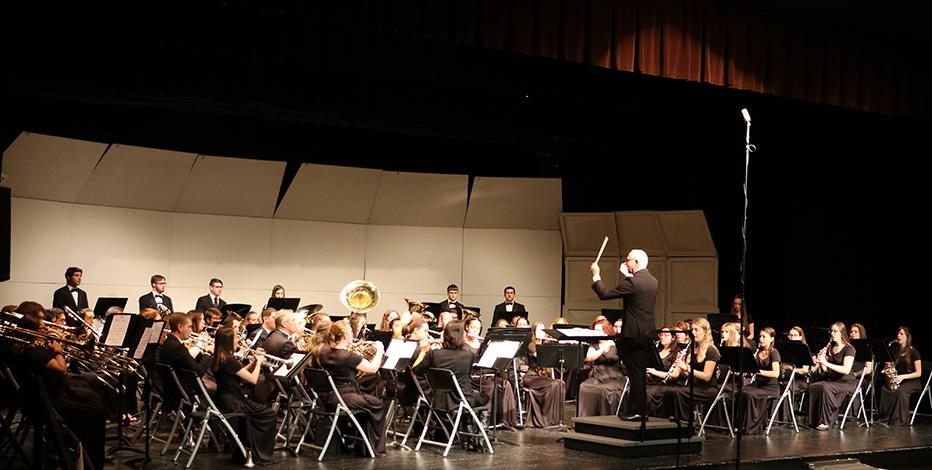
713 41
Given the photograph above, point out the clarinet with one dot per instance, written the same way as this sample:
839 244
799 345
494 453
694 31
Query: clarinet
679 357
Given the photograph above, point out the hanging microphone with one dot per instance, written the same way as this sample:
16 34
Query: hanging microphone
746 114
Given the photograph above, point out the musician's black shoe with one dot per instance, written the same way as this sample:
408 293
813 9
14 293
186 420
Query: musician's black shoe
630 417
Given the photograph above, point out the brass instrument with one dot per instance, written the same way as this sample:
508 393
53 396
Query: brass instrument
889 372
366 349
419 307
468 314
360 296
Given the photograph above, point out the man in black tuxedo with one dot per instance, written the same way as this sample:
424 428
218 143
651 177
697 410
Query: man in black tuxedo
638 288
157 298
280 343
212 300
71 295
509 305
268 326
175 354
451 304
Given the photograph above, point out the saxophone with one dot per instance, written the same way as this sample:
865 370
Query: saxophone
889 371
367 350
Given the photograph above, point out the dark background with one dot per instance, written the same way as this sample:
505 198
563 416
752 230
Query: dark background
837 196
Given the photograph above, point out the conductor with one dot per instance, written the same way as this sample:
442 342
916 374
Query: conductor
638 288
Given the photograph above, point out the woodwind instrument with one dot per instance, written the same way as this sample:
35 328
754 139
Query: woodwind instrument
680 355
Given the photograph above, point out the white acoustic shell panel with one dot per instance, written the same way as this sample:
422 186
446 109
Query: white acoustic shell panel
231 186
420 199
583 234
46 167
522 203
331 194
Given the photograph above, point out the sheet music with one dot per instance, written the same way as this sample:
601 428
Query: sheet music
156 331
143 341
118 327
397 349
582 332
286 367
497 349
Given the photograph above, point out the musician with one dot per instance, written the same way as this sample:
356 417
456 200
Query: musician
600 393
619 323
453 356
268 326
520 322
659 380
509 305
70 295
894 404
857 331
834 363
502 323
197 321
280 342
343 365
444 318
212 299
544 389
387 318
157 299
397 328
731 337
638 288
56 316
357 322
702 363
175 354
736 303
473 329
278 292
252 318
80 406
759 398
451 302
230 397
797 334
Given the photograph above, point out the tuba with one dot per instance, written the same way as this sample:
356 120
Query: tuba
359 296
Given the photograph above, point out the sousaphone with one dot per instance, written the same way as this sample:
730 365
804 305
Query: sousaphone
360 296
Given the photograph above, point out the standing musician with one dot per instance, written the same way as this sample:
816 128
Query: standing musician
902 380
278 292
600 393
70 295
638 288
157 298
212 299
834 363
702 363
509 305
229 373
452 301
736 303
343 365
759 398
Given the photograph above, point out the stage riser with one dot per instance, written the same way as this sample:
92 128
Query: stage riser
645 450
650 434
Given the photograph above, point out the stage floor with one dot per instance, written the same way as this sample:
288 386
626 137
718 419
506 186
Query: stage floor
538 449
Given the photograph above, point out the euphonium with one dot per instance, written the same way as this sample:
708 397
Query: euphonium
366 349
889 372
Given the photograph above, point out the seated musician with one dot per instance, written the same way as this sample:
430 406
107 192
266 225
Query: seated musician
230 398
858 331
387 318
520 322
600 393
482 378
343 364
659 381
174 353
901 382
453 356
357 322
397 328
544 388
74 399
702 363
759 397
834 364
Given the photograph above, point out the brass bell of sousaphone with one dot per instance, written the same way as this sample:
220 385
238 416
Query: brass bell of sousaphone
360 296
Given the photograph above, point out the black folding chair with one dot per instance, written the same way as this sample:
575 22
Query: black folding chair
342 410
443 381
207 410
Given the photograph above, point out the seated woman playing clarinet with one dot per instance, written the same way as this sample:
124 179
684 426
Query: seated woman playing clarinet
702 364
902 380
659 381
343 364
758 398
833 363
230 373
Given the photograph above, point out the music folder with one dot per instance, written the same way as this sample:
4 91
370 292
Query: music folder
507 316
399 354
104 303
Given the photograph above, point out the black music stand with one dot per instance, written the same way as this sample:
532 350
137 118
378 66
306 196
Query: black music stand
125 331
882 354
149 356
397 349
555 355
104 303
612 314
507 316
384 337
718 320
283 303
502 363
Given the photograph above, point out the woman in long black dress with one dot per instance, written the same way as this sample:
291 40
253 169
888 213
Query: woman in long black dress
600 393
230 398
702 363
834 364
659 381
894 404
343 365
544 389
455 356
758 399
485 380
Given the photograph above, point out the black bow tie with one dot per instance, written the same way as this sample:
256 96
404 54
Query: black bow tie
509 303
158 296
72 289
